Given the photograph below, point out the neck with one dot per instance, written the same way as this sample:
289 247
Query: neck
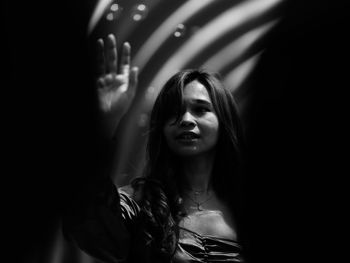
197 171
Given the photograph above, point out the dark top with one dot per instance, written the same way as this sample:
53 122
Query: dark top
105 232
193 247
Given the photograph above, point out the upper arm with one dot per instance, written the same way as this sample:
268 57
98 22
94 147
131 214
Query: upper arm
102 227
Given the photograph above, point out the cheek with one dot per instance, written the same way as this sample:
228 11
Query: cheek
211 128
214 135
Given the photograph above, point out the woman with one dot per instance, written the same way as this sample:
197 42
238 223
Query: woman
186 206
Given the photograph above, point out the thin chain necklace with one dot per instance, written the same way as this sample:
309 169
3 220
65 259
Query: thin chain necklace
198 204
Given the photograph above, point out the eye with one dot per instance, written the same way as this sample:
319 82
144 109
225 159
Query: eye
201 109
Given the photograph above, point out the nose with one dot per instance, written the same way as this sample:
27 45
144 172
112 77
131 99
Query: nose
187 120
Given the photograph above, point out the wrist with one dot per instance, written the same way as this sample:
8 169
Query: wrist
109 122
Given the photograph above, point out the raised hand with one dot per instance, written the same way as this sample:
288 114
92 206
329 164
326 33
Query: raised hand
116 86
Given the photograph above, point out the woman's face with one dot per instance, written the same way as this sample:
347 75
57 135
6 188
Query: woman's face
197 130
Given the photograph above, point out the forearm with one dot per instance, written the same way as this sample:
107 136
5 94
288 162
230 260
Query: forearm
108 124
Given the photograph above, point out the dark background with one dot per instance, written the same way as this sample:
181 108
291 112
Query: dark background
298 136
298 120
50 122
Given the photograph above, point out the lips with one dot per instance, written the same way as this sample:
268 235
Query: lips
187 136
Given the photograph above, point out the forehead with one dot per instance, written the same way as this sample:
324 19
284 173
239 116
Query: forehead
196 91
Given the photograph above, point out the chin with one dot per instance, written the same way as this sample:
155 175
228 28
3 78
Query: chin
187 151
190 152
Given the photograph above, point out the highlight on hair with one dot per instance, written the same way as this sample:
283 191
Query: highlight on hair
161 205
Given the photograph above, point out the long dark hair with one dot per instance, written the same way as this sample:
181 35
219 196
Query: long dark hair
161 202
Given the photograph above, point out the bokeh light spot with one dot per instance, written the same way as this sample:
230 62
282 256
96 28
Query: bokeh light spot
180 30
139 12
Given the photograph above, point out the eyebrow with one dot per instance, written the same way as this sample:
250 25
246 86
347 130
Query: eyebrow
199 101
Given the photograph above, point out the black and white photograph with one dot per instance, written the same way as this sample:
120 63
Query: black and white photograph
175 131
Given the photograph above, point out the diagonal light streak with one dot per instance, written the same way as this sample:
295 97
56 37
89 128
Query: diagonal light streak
98 13
235 78
237 48
232 18
161 34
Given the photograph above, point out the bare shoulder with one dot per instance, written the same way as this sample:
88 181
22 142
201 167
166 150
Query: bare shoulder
128 189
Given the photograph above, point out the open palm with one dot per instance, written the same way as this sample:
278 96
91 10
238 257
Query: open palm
116 86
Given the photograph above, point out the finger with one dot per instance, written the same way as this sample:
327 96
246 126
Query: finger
101 83
109 78
133 79
111 53
101 67
125 59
